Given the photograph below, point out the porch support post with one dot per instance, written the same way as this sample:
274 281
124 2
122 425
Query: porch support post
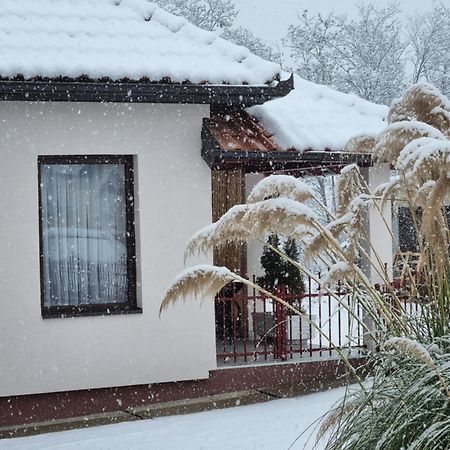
254 248
378 229
228 189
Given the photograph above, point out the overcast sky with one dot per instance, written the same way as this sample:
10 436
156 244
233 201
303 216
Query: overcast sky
269 19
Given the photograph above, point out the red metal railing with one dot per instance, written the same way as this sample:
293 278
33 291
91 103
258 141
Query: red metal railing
250 326
406 301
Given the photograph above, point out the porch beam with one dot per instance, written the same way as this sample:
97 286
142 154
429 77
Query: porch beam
270 161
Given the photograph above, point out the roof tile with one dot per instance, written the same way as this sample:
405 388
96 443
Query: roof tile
119 39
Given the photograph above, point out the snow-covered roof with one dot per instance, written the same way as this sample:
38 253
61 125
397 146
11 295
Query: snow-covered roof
118 39
316 117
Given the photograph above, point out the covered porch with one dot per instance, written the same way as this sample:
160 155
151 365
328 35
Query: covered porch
250 328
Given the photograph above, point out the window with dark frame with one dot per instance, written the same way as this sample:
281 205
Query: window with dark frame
87 235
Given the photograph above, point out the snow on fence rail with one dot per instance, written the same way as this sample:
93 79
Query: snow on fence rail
251 327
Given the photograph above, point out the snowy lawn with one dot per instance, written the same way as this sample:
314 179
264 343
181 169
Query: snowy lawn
273 425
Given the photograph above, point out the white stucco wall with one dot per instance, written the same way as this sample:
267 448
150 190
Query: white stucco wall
174 200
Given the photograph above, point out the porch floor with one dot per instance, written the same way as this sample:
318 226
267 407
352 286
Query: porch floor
243 354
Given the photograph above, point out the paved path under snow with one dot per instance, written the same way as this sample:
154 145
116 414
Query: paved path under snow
273 425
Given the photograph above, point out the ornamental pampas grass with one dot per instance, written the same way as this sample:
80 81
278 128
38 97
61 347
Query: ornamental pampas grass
405 406
239 223
393 139
408 403
320 245
340 271
424 159
411 348
352 205
332 420
423 102
398 112
279 215
202 280
355 231
421 193
326 240
360 144
338 226
388 190
231 227
350 184
302 232
434 227
280 186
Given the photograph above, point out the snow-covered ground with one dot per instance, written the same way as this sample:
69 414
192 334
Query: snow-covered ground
273 425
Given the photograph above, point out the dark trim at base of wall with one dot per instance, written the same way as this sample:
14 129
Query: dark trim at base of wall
24 409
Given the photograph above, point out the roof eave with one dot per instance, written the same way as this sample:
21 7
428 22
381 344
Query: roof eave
135 92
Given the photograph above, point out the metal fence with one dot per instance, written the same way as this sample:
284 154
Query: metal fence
251 327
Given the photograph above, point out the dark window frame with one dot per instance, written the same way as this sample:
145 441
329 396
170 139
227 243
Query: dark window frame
131 306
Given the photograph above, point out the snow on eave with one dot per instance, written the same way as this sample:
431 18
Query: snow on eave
130 39
315 117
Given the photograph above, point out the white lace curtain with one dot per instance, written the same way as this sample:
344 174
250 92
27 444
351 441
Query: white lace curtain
84 234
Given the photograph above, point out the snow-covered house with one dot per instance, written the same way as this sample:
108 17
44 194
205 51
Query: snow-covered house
103 182
115 123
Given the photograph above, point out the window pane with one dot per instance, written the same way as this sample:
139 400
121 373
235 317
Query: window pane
83 209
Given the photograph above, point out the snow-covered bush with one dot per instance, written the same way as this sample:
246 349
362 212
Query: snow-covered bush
278 271
406 404
416 143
